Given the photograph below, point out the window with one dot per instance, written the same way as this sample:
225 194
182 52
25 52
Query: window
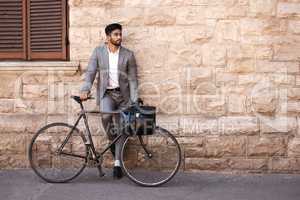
33 30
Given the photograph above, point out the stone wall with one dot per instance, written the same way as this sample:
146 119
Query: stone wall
223 73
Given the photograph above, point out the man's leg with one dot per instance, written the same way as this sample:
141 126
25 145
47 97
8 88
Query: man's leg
120 103
107 104
119 145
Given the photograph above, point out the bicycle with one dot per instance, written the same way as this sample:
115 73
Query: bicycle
59 152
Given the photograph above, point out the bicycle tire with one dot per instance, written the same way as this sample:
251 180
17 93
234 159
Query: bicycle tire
174 148
33 148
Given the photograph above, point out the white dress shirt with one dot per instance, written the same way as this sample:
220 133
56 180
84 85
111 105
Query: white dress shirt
113 81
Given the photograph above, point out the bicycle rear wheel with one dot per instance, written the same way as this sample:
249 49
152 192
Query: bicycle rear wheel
48 162
151 160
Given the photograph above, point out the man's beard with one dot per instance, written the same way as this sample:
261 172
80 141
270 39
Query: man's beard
116 43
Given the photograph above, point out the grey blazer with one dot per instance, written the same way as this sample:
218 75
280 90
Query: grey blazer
127 70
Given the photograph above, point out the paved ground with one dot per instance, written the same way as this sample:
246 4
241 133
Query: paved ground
24 185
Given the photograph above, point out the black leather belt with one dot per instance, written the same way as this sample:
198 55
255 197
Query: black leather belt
114 89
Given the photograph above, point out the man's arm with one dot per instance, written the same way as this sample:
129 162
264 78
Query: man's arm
132 77
90 73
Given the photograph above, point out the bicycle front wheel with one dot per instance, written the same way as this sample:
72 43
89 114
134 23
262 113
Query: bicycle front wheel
52 163
151 160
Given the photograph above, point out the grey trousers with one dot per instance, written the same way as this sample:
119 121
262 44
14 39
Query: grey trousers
112 100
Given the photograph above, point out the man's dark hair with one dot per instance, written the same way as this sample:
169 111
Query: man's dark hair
111 27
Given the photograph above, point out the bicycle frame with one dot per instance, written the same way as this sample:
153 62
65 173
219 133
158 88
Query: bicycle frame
95 156
87 141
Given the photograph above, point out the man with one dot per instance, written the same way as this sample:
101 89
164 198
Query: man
117 82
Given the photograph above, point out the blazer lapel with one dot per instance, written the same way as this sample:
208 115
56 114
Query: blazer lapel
105 59
120 62
121 58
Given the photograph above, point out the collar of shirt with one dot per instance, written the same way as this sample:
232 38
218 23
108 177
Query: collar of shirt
116 52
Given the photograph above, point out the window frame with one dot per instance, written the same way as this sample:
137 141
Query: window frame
27 54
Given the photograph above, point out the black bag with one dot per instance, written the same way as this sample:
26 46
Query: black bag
139 120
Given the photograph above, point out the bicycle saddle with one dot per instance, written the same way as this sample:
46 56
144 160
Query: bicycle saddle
76 98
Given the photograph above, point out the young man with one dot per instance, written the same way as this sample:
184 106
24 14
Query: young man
116 85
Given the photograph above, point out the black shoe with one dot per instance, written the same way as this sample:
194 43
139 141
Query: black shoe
112 149
117 172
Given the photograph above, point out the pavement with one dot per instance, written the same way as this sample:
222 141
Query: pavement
25 185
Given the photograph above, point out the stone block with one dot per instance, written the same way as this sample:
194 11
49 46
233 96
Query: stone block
278 124
214 54
280 164
225 146
288 9
13 144
206 164
7 105
241 65
13 161
266 146
243 125
160 17
8 84
294 147
194 126
35 91
21 123
253 164
262 7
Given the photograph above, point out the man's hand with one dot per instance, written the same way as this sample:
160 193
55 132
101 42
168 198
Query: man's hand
84 95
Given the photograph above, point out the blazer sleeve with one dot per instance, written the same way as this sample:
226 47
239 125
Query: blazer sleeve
90 72
132 78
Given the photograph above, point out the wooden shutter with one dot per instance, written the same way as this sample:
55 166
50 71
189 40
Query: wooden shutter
46 29
12 29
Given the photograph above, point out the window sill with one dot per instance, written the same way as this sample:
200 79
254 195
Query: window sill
39 66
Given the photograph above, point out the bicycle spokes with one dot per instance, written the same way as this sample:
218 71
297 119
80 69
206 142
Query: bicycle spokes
53 161
151 160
